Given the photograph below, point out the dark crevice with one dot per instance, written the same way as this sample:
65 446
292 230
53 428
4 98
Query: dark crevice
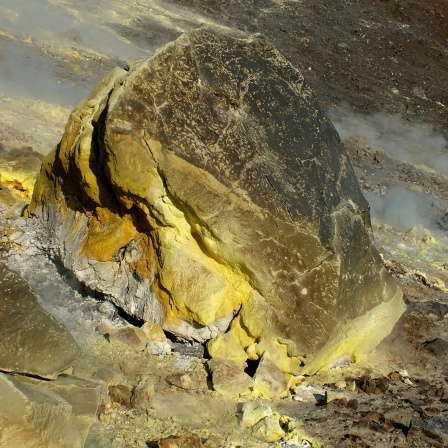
129 318
72 281
252 365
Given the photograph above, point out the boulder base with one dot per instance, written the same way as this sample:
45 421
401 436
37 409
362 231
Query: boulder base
205 189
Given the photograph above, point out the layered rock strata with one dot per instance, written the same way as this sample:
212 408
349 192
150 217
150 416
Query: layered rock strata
204 189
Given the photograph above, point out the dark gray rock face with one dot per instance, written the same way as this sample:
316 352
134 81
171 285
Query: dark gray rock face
31 341
206 188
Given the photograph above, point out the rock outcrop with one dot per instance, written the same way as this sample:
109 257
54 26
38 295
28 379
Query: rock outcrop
204 189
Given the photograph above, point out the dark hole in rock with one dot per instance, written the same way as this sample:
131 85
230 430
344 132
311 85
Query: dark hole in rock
252 365
130 319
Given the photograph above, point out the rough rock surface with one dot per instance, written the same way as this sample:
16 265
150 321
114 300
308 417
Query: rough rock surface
31 340
35 417
83 395
269 382
205 182
229 378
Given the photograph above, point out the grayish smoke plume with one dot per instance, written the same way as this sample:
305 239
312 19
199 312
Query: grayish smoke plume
414 142
404 209
27 69
410 141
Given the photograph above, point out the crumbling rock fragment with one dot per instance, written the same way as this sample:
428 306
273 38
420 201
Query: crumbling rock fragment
205 188
229 378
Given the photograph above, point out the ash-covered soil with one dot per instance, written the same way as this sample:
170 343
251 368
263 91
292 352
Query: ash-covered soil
380 69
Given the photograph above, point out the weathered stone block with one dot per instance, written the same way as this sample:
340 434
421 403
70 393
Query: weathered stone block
31 340
229 378
143 395
269 381
207 183
35 417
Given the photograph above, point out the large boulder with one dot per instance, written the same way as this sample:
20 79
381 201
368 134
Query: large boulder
205 188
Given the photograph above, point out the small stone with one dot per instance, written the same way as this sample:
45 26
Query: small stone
153 332
227 346
229 378
132 336
161 348
105 327
268 429
429 239
270 382
194 350
184 441
341 384
252 412
340 362
143 395
121 394
395 376
107 308
374 385
307 394
373 416
184 380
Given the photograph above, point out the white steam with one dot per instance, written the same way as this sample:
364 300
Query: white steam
404 209
410 141
28 65
414 142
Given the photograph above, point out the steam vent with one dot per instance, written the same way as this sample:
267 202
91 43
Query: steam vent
205 189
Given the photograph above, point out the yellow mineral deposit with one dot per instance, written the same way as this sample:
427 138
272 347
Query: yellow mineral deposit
361 335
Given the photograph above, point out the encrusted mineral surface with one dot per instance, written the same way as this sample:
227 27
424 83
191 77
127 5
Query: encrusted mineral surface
204 189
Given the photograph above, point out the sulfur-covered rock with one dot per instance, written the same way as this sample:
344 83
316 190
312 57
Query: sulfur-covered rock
204 188
268 429
226 346
19 168
254 411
